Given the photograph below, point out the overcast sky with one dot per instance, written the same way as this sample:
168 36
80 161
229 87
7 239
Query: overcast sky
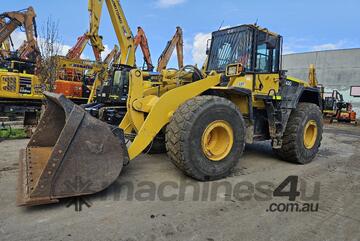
306 25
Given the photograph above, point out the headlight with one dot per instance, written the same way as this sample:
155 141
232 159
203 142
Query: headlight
232 70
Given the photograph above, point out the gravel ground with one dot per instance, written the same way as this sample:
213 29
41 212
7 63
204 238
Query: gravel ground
136 206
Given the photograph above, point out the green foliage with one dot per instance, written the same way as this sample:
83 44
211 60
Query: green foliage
10 133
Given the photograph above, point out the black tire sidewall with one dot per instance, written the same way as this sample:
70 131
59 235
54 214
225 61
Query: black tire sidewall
307 155
200 163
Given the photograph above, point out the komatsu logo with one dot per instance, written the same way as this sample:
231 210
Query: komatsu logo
81 66
115 4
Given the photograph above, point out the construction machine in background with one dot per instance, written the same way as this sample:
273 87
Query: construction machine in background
24 18
177 42
110 104
337 109
244 97
20 88
76 51
110 99
75 77
141 39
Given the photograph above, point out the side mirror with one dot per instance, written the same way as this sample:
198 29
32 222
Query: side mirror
271 42
208 44
355 91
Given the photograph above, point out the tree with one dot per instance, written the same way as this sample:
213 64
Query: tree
50 46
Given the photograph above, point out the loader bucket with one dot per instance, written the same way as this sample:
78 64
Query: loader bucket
70 154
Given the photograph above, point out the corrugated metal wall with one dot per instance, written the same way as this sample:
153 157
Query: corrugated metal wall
336 69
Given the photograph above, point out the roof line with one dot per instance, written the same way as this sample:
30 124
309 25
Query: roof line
330 50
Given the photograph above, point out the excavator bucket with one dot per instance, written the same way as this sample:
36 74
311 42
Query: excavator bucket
70 154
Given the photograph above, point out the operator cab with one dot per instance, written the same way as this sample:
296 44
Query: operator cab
115 88
256 49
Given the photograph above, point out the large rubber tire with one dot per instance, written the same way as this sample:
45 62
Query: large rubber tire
184 134
293 148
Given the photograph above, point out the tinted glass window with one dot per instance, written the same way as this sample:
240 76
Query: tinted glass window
229 47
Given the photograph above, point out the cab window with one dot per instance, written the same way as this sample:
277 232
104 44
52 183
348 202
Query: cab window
267 54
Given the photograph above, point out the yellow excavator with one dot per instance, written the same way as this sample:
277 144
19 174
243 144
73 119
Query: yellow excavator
20 89
110 103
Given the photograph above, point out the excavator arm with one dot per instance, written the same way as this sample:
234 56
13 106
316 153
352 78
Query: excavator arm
176 42
121 27
26 19
141 39
76 51
8 28
5 45
110 58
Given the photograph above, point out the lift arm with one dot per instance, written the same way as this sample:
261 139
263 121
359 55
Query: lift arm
178 42
121 27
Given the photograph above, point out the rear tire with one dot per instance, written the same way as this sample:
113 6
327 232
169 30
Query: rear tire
295 148
187 146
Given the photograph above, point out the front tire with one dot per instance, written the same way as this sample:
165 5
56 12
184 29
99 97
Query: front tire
206 137
303 134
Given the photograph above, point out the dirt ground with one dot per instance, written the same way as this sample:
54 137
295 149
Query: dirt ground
138 205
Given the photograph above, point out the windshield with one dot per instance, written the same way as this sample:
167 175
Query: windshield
229 47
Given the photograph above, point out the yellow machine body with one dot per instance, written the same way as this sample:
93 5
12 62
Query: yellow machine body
246 84
20 86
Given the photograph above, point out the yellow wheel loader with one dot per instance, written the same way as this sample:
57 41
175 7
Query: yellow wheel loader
203 119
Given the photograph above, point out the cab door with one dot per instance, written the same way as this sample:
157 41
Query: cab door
266 65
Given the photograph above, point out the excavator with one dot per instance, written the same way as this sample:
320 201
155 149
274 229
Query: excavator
176 42
76 51
111 97
109 104
25 18
75 76
20 89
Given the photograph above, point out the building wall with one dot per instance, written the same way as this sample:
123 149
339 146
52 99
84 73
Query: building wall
336 69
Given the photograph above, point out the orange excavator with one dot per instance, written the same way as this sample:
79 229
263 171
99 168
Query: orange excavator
76 51
141 39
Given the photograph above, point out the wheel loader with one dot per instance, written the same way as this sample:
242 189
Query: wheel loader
205 118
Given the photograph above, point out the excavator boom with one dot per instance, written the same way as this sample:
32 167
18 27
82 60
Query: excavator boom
121 27
176 42
76 51
141 39
26 19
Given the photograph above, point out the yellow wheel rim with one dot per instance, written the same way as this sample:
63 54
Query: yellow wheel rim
217 140
310 134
